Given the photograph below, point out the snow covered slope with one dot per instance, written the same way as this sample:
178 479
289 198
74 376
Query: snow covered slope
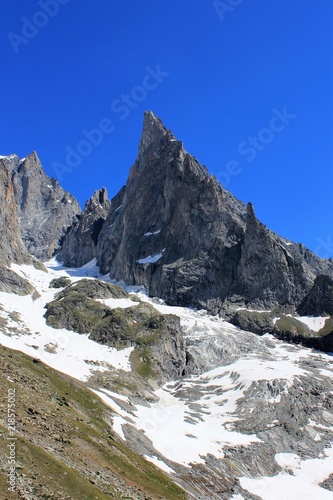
252 417
66 351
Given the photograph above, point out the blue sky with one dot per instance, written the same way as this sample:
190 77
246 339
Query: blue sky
219 74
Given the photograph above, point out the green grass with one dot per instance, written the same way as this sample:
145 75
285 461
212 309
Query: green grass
327 328
290 324
256 315
56 475
82 422
142 363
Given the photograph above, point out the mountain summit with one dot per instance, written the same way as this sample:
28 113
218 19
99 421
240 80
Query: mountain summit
45 210
153 132
179 233
173 229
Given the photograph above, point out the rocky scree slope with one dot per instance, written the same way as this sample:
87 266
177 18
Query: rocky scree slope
45 210
65 449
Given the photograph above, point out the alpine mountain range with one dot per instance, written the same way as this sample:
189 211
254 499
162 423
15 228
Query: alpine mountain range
182 276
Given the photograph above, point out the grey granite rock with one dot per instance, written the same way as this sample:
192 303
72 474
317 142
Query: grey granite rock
80 244
319 300
11 246
11 282
267 274
45 210
178 232
174 209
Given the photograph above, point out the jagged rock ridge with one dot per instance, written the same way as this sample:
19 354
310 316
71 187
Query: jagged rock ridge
79 245
45 210
174 229
178 232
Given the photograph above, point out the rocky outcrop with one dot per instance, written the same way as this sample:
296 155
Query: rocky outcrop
267 274
45 210
178 232
319 301
80 244
11 282
12 249
159 348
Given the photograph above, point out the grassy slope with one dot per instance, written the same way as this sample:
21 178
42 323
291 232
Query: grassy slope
65 449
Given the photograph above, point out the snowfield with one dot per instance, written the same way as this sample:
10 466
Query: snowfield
299 481
199 415
64 350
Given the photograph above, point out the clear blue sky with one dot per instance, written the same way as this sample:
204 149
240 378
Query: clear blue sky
221 73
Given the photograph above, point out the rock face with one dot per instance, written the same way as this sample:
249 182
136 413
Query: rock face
45 210
319 300
11 246
267 274
80 243
178 232
10 282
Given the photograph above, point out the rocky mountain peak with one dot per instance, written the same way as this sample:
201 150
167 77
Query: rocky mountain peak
179 233
153 132
250 215
80 243
45 210
100 196
33 161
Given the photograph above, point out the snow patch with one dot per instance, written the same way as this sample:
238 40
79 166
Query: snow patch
151 259
303 484
152 234
314 323
160 464
193 436
115 303
74 354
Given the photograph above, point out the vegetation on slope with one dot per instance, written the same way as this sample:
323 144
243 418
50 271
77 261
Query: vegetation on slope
65 448
140 326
